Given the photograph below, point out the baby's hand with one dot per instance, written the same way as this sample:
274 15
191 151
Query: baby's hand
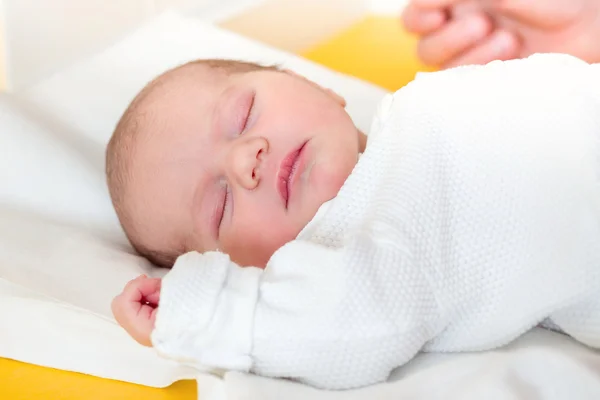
135 308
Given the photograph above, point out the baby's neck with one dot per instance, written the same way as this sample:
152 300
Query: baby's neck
362 142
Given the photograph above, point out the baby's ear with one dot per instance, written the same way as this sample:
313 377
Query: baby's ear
339 99
336 97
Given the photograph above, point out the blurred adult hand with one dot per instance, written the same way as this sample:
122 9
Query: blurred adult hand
458 32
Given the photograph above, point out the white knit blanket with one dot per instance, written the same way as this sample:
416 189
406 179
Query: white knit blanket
473 216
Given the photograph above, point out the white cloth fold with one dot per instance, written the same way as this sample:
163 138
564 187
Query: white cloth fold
472 216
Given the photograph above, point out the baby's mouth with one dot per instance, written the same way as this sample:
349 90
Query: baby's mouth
288 170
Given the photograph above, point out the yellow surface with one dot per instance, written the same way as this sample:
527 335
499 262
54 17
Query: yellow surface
20 381
375 49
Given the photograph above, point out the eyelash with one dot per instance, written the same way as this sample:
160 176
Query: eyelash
248 114
225 202
226 199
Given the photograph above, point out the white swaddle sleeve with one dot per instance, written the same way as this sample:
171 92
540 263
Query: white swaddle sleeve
308 316
206 312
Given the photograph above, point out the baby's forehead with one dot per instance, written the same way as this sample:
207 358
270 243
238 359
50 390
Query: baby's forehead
176 96
177 113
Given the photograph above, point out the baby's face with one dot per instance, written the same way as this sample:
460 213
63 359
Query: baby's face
239 163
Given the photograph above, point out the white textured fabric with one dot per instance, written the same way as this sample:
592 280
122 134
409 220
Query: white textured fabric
473 215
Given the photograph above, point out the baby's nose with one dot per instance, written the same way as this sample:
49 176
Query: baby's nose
245 160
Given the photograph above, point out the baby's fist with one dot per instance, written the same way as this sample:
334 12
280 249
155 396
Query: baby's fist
135 308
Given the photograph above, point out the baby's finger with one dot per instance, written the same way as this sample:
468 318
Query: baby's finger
124 310
454 38
153 298
136 318
141 287
501 45
149 286
139 325
141 328
422 22
135 281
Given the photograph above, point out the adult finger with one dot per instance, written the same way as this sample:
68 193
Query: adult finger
453 39
432 4
540 13
421 21
500 45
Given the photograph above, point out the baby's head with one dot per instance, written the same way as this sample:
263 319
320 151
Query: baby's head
227 155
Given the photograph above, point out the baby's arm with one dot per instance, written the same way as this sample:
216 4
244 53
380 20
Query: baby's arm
206 312
309 316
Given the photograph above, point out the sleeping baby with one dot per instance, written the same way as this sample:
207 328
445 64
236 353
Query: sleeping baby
471 216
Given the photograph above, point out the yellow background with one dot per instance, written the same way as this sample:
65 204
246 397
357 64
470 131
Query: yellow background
376 49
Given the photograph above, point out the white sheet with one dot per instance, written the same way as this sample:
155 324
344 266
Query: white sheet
62 253
541 365
63 256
